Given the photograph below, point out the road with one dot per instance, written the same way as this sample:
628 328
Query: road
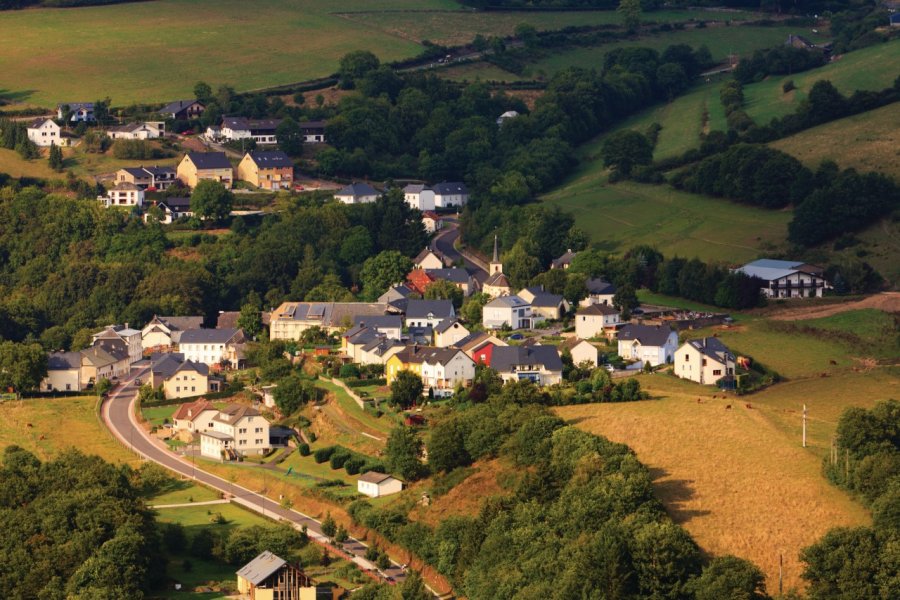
117 412
444 243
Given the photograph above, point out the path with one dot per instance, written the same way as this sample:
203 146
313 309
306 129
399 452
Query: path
117 413
445 243
886 301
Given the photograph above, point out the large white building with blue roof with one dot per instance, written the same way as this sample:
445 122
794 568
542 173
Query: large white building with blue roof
787 279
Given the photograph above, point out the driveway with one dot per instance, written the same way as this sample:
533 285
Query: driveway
444 242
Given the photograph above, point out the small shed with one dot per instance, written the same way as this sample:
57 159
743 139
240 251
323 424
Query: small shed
375 484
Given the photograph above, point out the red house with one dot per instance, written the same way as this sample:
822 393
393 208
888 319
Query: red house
418 280
480 347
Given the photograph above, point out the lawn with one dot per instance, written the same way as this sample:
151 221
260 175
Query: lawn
159 415
76 160
866 69
180 491
156 51
47 426
681 224
868 142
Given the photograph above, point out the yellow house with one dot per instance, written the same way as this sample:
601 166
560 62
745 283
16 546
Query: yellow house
409 359
196 166
271 170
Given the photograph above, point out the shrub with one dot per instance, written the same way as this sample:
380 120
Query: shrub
354 464
338 459
349 371
303 449
323 454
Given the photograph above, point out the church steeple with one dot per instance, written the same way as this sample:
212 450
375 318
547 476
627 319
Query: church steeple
496 266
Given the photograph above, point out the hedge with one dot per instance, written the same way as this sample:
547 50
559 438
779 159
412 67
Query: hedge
353 465
355 383
323 454
339 458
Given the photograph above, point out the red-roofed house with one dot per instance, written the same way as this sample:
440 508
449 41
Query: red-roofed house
418 280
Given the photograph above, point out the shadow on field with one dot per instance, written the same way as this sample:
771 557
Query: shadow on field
675 494
12 97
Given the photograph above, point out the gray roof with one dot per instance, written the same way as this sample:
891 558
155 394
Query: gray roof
209 336
563 260
450 187
381 344
99 357
166 365
508 301
415 188
216 434
273 159
177 204
374 477
446 324
395 292
178 106
209 160
598 286
358 189
647 335
542 298
420 309
63 361
422 335
453 275
233 413
597 309
157 171
379 321
329 314
713 348
497 280
182 323
770 270
504 358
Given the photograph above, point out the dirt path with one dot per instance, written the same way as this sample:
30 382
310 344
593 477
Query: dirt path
886 301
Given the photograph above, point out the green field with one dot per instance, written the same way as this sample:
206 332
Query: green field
156 51
868 142
873 68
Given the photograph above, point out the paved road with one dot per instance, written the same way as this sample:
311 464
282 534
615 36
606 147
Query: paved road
118 415
444 241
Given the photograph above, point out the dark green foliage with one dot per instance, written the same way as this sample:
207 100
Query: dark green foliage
323 454
406 389
780 60
730 577
212 200
627 149
329 527
290 138
56 158
173 537
402 454
135 150
292 393
303 449
246 543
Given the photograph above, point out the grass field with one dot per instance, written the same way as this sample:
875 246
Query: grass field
872 68
76 160
868 142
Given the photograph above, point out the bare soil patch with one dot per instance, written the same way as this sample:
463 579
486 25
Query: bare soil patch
886 301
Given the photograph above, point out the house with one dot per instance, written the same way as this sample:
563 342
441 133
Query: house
787 278
595 320
419 196
261 131
509 311
450 194
179 378
496 284
212 347
313 132
390 326
455 275
418 281
432 221
357 193
374 484
45 132
510 114
648 344
196 166
291 319
581 351
125 195
480 346
396 296
379 350
449 332
81 112
564 261
545 305
268 577
170 210
272 170
422 313
157 178
432 258
99 363
183 110
163 332
63 372
599 292
705 361
237 431
441 369
540 364
195 417
148 130
130 339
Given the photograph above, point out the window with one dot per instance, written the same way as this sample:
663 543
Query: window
687 357
704 362
242 430
177 389
257 430
242 442
258 442
68 386
717 371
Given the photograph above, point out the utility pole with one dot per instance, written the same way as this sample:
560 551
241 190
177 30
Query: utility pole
780 574
804 426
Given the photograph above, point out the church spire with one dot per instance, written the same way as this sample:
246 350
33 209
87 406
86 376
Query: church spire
496 266
496 250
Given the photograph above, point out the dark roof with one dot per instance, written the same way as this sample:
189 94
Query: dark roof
166 365
505 358
228 319
311 125
374 477
542 298
273 159
178 106
376 321
450 187
233 413
76 105
261 568
421 335
564 260
98 357
209 336
647 335
117 348
417 309
597 309
209 160
182 323
429 354
381 344
454 275
395 292
38 122
415 188
446 324
63 361
712 348
192 409
177 203
598 286
497 280
426 251
358 189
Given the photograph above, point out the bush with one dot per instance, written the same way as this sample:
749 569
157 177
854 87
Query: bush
349 371
353 465
303 449
338 459
323 454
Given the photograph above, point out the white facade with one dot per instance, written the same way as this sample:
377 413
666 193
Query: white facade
507 310
45 134
705 368
374 489
443 377
124 194
139 131
62 380
356 199
420 199
207 353
655 355
131 337
247 435
186 383
450 335
584 352
588 326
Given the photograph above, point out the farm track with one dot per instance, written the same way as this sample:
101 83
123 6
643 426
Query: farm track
885 301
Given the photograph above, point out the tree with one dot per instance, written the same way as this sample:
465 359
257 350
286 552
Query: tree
250 320
402 453
382 271
473 307
290 137
211 200
631 14
406 389
22 366
356 65
446 447
292 393
413 588
626 149
672 79
730 577
56 158
329 527
203 92
444 290
625 299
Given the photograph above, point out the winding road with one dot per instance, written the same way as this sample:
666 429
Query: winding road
117 412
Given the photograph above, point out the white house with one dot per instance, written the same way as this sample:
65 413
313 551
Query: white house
169 210
261 131
511 311
582 351
81 111
375 484
45 132
510 114
431 258
212 347
647 344
157 178
449 332
180 378
313 131
540 364
599 292
419 196
237 430
705 361
428 313
148 130
124 194
63 372
131 339
432 221
195 417
450 194
445 368
544 305
162 332
787 279
594 320
357 193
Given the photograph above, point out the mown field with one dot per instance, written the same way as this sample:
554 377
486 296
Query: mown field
738 479
868 142
872 68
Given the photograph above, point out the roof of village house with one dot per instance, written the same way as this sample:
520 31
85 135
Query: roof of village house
176 204
76 105
362 335
129 127
430 214
420 335
770 270
209 160
381 344
713 348
379 321
562 261
597 310
233 413
508 302
311 124
328 314
181 323
358 189
647 335
192 409
271 159
497 280
209 336
168 365
446 324
544 299
571 342
599 287
178 106
37 123
99 357
261 568
398 291
476 340
450 187
375 477
63 361
453 274
125 186
428 250
421 309
415 188
505 358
